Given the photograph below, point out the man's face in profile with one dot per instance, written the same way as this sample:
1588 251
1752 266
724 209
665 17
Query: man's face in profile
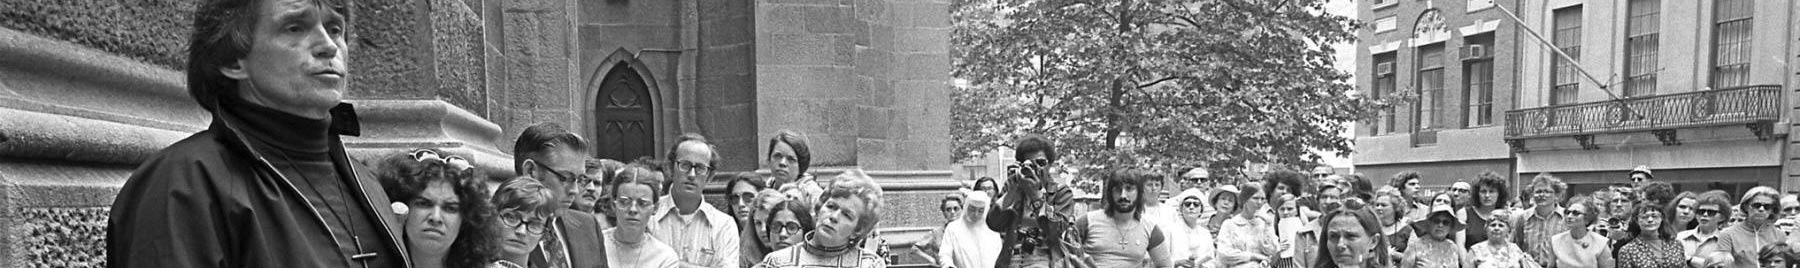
296 61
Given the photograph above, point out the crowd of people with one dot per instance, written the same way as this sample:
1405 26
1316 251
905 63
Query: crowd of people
269 184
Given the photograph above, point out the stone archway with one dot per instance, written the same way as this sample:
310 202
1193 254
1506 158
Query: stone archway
622 115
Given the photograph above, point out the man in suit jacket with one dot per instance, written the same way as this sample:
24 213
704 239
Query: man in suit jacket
557 157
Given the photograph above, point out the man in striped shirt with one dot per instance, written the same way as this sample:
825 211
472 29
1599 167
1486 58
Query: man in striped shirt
702 234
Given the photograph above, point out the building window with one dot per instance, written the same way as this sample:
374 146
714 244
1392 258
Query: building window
1377 4
1385 84
1478 80
1564 77
1429 110
1731 43
1640 47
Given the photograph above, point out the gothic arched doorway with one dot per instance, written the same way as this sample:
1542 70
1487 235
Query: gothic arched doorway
623 116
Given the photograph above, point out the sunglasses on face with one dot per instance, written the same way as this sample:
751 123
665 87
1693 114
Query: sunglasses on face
1190 204
1791 210
455 162
743 197
1576 213
1198 180
1706 212
1460 190
1762 206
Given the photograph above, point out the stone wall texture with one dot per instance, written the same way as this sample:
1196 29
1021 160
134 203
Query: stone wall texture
143 30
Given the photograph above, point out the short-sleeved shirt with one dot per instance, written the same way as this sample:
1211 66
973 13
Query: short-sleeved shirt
708 237
1534 232
1693 242
1437 253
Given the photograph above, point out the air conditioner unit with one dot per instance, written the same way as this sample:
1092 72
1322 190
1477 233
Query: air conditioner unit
1475 52
1384 69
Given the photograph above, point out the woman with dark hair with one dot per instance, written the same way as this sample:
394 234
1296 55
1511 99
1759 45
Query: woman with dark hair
1352 240
788 223
1247 239
444 209
524 207
789 158
1291 183
1491 194
1652 240
741 200
1710 212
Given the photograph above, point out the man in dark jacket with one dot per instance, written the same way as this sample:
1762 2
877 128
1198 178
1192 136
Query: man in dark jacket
268 183
1035 210
558 158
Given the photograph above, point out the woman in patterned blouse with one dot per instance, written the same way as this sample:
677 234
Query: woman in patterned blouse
1499 251
1651 243
1247 240
1435 247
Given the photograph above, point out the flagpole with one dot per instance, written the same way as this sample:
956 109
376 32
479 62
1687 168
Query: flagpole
1559 51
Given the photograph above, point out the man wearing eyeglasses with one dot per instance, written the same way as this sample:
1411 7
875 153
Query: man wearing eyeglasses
1543 220
1738 244
702 234
558 158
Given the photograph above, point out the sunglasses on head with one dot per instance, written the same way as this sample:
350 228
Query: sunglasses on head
455 162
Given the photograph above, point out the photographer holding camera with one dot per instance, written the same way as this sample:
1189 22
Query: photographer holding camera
1034 209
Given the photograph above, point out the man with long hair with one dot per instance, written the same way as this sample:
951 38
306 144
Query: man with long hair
1119 235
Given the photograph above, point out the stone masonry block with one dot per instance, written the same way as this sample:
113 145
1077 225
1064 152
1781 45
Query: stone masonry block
874 62
385 52
922 40
832 150
725 60
922 15
804 49
157 32
873 122
633 12
726 32
461 73
61 237
874 154
804 82
922 66
726 90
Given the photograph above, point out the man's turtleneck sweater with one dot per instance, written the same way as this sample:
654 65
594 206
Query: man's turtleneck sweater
299 149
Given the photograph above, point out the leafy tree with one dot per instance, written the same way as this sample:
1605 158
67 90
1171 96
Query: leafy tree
1154 83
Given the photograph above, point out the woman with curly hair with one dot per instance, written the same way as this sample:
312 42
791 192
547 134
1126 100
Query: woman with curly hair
1491 194
1652 240
444 207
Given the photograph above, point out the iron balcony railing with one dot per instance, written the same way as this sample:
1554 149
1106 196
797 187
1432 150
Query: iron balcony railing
1747 104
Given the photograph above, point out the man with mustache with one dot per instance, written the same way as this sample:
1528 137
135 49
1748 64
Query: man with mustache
268 183
1118 236
702 234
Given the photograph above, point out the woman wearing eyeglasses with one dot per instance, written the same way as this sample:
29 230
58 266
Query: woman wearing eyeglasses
443 204
524 205
1436 246
741 201
1196 243
1738 243
1652 242
629 244
1580 247
1247 239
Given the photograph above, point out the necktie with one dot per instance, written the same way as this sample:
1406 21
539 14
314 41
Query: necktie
554 251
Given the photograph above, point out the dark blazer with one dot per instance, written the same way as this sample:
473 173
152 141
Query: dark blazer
581 233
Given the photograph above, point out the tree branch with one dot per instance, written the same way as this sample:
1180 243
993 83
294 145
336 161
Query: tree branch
1164 79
